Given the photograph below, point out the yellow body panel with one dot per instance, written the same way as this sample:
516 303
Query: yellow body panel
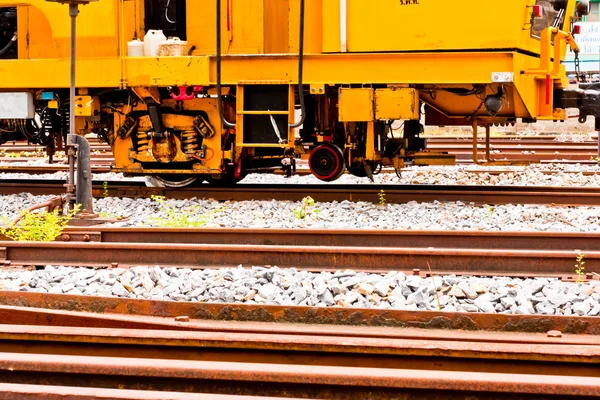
356 105
86 106
396 103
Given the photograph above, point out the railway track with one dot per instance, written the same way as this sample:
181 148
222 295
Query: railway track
77 343
330 192
65 346
544 149
418 253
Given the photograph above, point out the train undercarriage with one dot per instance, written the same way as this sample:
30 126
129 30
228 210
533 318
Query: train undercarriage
200 117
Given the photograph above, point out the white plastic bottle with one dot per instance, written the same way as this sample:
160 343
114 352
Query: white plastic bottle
135 48
152 41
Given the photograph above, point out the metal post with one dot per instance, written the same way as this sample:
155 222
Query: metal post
83 186
487 142
73 12
475 133
84 176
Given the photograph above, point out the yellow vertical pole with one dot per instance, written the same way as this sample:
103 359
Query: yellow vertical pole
370 151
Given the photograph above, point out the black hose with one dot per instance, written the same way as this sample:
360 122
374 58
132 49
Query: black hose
219 98
10 44
300 69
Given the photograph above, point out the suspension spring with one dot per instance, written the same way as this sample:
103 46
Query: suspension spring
142 136
190 142
13 125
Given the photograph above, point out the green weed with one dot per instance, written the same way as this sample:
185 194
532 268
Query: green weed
171 217
580 269
382 200
38 226
307 208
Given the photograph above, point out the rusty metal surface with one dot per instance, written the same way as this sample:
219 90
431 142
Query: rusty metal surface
200 347
375 259
305 375
10 391
164 341
27 316
333 192
570 241
306 315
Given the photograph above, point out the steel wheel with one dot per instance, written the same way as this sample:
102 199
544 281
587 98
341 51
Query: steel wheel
170 181
326 162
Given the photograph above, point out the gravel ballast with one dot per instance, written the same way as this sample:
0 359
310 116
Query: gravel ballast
334 215
262 285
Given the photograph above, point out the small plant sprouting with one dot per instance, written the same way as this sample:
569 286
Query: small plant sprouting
580 269
38 226
105 187
491 212
170 217
381 195
111 215
305 210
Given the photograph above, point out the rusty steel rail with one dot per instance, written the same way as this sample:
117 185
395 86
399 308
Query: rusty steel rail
328 353
331 192
513 149
316 258
12 391
470 239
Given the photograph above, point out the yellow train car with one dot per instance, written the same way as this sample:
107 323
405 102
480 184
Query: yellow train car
251 85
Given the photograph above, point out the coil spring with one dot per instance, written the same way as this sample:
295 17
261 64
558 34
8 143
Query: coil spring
12 125
142 137
190 142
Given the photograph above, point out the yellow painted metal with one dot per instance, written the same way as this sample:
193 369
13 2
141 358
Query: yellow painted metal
356 105
314 25
370 150
53 104
167 71
330 19
396 103
243 27
442 45
263 112
276 26
317 88
240 111
436 25
86 106
146 92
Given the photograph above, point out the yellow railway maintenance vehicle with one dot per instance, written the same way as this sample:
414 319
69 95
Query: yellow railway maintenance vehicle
254 71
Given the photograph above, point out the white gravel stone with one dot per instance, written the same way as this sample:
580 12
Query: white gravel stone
292 287
345 214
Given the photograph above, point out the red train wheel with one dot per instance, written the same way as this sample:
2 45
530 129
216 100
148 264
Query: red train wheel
326 162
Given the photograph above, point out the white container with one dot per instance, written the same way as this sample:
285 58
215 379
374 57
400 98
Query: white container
16 105
135 48
151 42
173 47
